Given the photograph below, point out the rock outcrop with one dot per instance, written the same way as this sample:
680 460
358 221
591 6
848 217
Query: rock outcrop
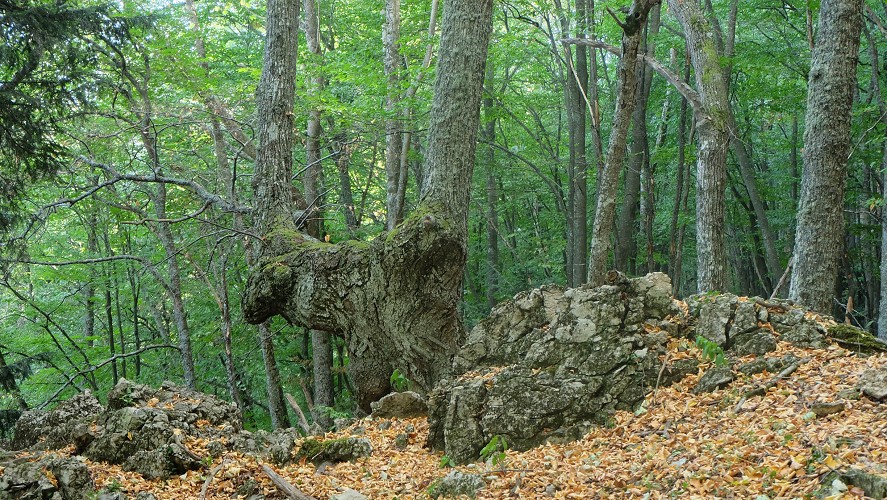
550 363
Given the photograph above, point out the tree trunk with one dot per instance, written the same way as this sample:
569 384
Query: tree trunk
711 127
395 298
393 125
579 187
820 231
488 135
602 230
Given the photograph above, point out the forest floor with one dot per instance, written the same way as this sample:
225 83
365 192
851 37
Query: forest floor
678 444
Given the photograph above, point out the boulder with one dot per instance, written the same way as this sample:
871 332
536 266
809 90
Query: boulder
550 363
716 377
334 450
143 428
406 404
48 477
50 430
456 484
873 383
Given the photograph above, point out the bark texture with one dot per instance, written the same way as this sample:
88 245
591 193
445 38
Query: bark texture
602 230
396 298
832 80
711 126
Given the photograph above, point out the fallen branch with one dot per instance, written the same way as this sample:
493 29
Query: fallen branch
285 486
303 422
760 391
209 478
788 269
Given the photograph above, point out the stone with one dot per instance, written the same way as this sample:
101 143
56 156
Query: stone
758 342
714 315
836 483
401 441
805 334
48 477
873 383
334 450
716 377
406 404
455 484
676 370
824 409
771 365
856 339
550 363
54 429
349 494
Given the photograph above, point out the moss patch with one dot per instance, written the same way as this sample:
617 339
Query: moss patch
856 339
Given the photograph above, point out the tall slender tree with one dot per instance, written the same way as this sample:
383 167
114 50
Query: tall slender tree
819 239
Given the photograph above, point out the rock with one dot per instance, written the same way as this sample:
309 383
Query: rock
112 495
873 383
400 405
714 315
142 427
678 369
48 477
771 365
806 334
758 342
402 441
856 339
349 494
823 409
334 450
872 485
550 363
716 377
54 429
455 484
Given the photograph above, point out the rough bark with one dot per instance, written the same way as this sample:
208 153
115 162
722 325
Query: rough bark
602 230
712 132
579 185
396 298
831 84
393 125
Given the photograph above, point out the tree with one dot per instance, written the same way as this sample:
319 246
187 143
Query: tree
819 239
604 216
46 73
396 299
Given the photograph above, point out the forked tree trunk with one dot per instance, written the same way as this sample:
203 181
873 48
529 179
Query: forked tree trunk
602 230
396 298
820 235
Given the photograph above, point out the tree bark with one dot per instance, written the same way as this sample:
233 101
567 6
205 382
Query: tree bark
395 298
819 239
393 125
602 230
712 131
488 134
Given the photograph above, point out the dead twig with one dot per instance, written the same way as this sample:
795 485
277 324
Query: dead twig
761 390
303 422
209 478
285 486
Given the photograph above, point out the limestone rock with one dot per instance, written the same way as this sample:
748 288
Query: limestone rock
550 363
334 450
769 364
48 477
406 404
349 494
53 429
716 377
873 383
455 484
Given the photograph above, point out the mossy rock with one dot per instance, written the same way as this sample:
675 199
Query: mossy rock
334 450
856 339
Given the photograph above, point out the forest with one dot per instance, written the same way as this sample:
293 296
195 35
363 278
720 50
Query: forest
158 159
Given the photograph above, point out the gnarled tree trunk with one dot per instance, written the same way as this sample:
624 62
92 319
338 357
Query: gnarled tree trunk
396 298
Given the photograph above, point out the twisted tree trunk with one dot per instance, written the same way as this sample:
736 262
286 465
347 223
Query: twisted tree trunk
396 298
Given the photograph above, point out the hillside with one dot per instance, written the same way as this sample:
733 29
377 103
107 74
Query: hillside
677 444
